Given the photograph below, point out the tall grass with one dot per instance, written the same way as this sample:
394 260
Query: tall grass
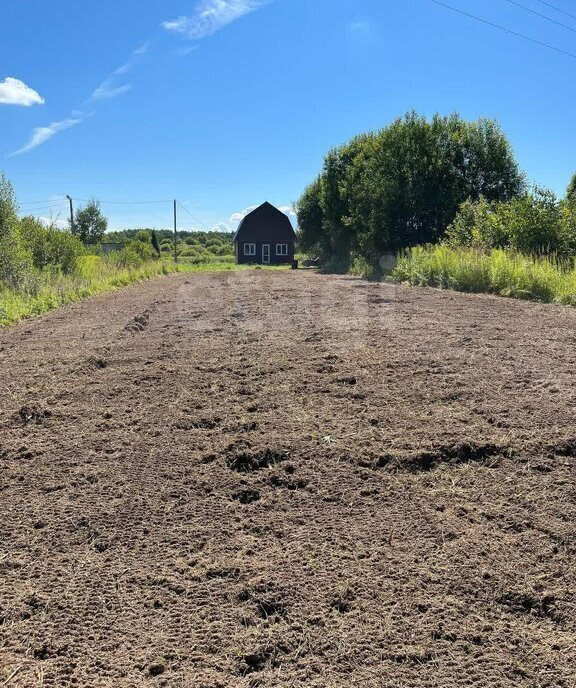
94 275
502 272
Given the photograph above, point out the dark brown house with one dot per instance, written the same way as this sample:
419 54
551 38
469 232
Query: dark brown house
265 236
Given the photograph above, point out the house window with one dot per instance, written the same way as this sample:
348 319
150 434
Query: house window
249 249
281 249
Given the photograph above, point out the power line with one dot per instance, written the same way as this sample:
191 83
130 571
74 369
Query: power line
544 16
193 217
49 200
88 200
503 28
557 9
34 211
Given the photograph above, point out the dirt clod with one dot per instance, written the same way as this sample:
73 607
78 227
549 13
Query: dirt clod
247 496
33 414
250 461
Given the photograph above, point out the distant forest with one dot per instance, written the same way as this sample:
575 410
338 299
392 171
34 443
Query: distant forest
202 238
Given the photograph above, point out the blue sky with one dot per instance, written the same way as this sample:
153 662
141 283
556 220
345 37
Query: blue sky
223 104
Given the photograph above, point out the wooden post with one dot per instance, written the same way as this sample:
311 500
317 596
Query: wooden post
71 215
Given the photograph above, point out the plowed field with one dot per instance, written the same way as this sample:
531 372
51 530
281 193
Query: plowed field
288 479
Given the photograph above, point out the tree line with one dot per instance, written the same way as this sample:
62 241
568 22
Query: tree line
406 185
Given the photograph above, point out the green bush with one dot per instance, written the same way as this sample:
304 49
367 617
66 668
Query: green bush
50 247
144 235
134 254
536 223
221 250
15 262
189 251
478 225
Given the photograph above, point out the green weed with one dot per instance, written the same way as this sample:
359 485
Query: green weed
500 271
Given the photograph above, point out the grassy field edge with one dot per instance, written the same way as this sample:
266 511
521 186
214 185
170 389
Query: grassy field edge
499 271
54 291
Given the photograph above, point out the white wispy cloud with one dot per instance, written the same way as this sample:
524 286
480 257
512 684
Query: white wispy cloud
222 227
143 49
53 221
288 210
42 134
16 92
361 27
107 89
210 16
134 58
186 50
235 218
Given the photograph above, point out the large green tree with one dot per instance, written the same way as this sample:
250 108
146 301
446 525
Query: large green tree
90 224
403 185
571 191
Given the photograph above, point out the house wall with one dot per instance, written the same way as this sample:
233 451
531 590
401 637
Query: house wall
257 259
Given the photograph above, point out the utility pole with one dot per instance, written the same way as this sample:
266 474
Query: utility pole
71 214
175 236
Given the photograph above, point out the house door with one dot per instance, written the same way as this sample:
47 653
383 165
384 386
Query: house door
265 253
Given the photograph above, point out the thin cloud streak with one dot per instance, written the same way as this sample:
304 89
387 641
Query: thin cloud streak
107 90
42 134
210 16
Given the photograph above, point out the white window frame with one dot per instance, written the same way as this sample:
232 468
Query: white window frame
249 249
281 249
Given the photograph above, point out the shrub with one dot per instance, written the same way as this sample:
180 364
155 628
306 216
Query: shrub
135 253
143 235
536 223
15 262
221 250
189 251
50 247
532 222
477 224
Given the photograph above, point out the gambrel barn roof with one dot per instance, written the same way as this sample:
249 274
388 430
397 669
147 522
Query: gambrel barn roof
265 223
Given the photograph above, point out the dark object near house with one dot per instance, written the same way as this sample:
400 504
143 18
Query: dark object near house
266 237
111 247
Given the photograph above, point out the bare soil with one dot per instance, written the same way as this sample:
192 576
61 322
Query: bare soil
288 479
